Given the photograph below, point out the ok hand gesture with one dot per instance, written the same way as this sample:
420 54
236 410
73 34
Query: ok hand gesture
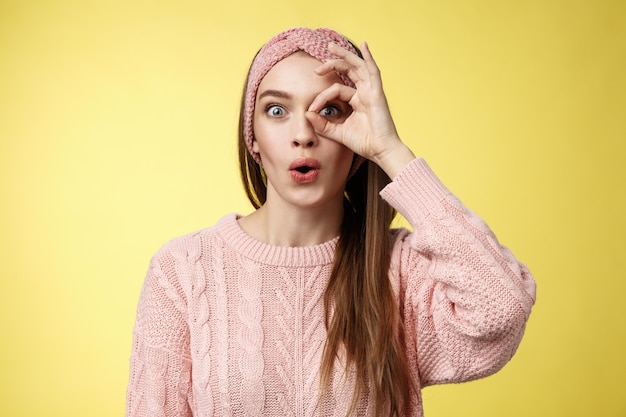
369 130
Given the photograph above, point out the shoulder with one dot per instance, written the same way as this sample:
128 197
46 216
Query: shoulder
189 247
176 268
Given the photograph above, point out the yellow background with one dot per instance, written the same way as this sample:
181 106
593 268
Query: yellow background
117 132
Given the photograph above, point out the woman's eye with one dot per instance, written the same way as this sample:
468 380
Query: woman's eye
330 111
275 111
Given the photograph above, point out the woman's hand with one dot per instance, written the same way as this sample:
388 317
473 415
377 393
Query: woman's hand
369 130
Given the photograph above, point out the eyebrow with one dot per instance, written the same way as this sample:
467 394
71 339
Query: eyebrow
274 93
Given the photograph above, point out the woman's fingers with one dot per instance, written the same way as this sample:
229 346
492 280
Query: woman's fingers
331 127
334 92
346 63
352 65
322 125
369 59
369 129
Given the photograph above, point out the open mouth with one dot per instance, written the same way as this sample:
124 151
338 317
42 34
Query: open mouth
304 170
304 165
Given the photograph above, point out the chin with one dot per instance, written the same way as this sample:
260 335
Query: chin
312 202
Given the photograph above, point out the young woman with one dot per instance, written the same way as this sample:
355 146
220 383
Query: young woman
311 305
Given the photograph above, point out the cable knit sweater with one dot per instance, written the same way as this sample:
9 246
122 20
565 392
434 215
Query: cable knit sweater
230 326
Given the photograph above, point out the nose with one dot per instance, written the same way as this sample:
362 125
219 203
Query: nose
304 134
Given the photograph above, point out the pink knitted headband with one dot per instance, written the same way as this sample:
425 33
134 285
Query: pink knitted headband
312 41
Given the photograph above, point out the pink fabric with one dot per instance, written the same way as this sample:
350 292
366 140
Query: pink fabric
230 326
312 41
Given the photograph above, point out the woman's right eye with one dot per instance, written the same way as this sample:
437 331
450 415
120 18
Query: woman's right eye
275 110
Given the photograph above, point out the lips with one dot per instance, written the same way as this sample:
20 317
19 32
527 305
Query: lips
304 170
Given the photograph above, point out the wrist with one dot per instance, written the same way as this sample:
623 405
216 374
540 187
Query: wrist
393 160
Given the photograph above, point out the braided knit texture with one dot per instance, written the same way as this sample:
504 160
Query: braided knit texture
230 326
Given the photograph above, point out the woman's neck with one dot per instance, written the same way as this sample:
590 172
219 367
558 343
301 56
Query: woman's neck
291 226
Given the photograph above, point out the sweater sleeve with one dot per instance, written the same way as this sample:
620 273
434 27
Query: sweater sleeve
160 364
464 298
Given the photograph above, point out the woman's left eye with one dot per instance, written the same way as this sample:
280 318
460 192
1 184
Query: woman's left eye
330 111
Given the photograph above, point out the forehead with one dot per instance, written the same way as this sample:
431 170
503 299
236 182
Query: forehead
296 73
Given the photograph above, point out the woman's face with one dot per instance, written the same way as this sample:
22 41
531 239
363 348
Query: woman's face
302 168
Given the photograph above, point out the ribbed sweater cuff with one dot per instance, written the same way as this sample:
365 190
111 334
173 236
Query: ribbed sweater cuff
416 191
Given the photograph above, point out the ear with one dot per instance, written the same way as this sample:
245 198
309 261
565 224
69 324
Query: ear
255 146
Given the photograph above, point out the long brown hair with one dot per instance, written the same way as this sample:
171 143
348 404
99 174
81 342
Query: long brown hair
364 324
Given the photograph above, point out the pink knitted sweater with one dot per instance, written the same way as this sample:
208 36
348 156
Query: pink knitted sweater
230 326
